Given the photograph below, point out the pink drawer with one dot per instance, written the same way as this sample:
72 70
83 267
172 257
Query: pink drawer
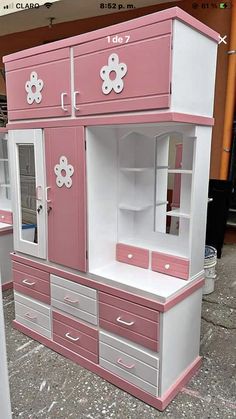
6 217
170 265
31 282
132 255
76 336
132 321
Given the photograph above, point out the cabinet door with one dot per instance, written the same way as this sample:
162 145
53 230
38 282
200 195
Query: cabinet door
39 86
29 210
65 162
132 76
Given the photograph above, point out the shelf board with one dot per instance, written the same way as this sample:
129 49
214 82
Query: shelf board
5 185
178 213
3 159
136 169
135 207
162 167
181 171
158 203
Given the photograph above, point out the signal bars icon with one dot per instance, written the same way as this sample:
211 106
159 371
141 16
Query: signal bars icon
48 5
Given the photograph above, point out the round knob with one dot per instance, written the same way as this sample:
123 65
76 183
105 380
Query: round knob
167 266
130 256
2 217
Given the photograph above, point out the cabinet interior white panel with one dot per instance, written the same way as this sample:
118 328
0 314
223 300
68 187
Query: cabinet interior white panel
192 93
6 246
180 331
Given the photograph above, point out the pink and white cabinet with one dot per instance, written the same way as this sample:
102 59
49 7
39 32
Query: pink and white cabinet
110 149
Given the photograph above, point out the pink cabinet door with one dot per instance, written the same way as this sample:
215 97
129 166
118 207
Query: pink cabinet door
131 76
39 86
66 196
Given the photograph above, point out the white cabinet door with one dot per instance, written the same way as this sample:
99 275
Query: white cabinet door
28 191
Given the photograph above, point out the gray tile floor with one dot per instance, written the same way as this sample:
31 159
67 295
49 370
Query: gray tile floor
45 385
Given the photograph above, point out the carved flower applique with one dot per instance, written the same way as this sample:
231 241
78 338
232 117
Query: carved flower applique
33 87
63 171
112 75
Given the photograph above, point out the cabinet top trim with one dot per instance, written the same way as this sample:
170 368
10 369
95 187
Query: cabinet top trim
172 13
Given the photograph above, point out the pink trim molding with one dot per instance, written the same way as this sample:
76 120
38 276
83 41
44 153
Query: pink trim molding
7 286
157 402
190 288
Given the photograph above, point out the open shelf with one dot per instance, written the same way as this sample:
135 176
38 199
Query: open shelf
178 213
180 171
161 203
135 207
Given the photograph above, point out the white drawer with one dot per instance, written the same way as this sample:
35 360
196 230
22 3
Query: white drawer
74 299
131 363
32 314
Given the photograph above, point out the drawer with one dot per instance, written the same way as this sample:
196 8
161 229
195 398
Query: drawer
141 82
75 299
32 286
6 217
170 265
132 255
76 336
35 315
132 321
129 362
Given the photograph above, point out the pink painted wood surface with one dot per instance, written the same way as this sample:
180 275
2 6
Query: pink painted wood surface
132 255
119 119
6 230
32 293
31 282
127 305
7 286
3 129
29 270
33 60
171 13
6 217
145 77
50 105
157 402
170 265
80 351
76 324
67 217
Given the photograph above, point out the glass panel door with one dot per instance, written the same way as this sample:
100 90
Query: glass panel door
27 171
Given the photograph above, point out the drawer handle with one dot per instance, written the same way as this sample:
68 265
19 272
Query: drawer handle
130 256
119 320
30 316
69 300
128 367
167 266
62 102
74 100
68 336
26 282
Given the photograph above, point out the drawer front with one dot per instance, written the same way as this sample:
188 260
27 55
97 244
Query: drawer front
73 299
132 255
30 271
33 91
6 217
32 314
76 336
142 72
32 286
124 360
132 321
170 265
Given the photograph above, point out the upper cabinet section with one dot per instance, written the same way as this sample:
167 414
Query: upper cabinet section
153 63
127 71
39 86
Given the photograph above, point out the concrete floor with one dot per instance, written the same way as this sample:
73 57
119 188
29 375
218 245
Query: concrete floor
43 384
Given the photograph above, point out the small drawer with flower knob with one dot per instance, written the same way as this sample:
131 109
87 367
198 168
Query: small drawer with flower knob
33 314
129 361
132 255
76 336
170 265
130 320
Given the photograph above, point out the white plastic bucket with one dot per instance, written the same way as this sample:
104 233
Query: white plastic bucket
210 269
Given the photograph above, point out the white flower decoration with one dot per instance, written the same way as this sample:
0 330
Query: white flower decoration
33 87
64 171
120 70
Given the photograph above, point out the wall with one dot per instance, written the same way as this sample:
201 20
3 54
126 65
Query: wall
217 19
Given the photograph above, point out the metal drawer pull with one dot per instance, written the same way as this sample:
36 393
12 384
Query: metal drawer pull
130 256
128 367
119 320
30 316
26 282
68 336
69 300
167 266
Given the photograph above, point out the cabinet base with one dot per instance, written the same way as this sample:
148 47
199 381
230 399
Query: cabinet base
158 403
